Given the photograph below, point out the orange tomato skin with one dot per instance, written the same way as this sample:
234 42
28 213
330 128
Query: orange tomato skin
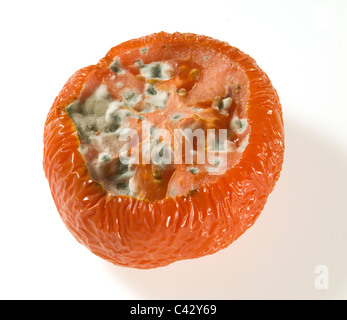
148 234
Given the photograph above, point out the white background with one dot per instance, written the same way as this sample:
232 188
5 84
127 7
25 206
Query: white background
301 45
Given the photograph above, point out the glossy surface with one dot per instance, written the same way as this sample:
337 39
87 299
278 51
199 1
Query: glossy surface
146 234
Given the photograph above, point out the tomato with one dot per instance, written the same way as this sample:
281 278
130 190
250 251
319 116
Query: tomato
146 215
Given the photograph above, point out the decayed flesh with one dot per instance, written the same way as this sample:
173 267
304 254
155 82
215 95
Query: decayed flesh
160 88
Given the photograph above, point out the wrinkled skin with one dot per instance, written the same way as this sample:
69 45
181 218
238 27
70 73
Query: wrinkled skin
148 234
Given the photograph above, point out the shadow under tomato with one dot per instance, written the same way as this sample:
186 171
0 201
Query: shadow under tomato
303 225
